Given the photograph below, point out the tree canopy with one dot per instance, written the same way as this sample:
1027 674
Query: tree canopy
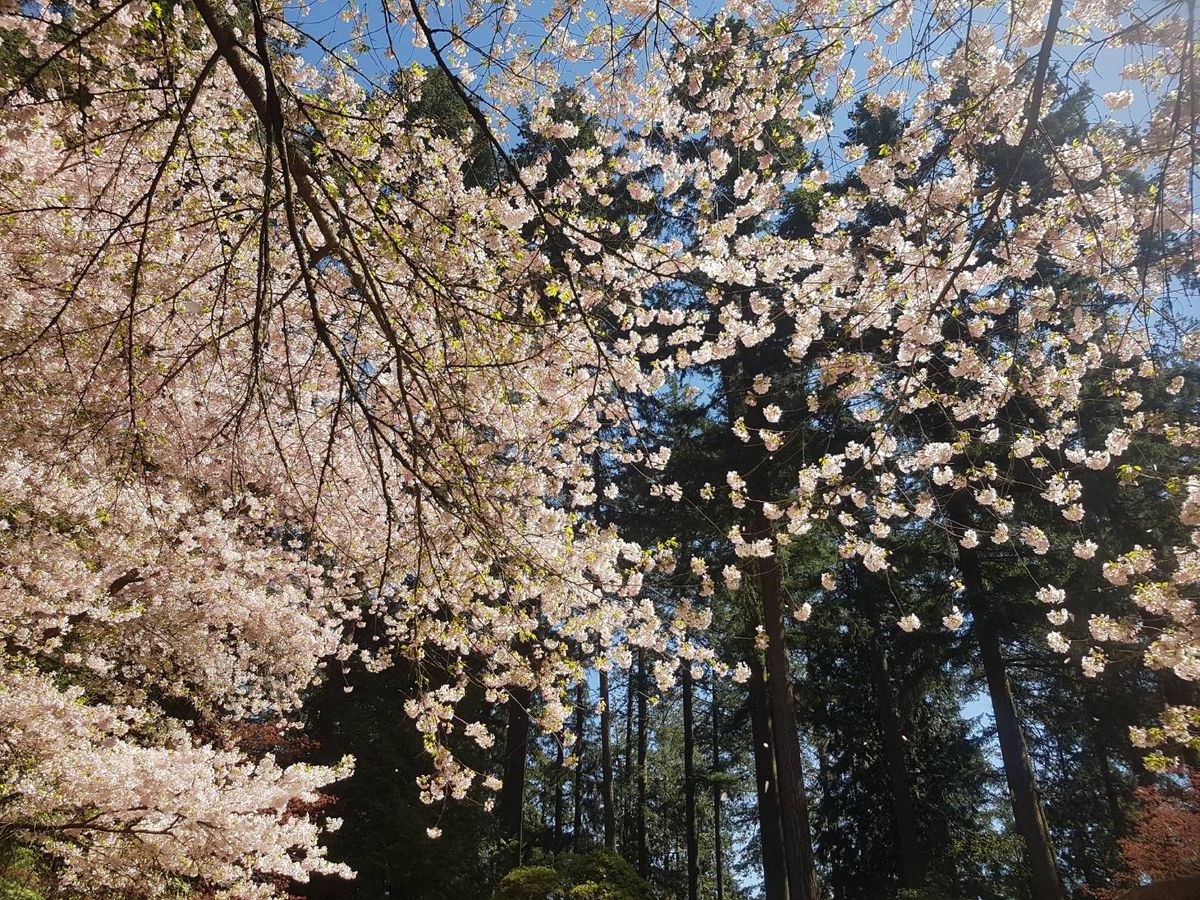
660 429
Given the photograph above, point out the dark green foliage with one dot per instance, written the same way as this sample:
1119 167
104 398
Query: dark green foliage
383 838
855 830
440 105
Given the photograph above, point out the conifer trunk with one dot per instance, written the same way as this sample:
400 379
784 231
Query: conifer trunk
516 748
577 788
558 796
606 764
895 757
627 840
1018 770
1030 818
640 812
793 802
689 785
766 786
718 837
785 734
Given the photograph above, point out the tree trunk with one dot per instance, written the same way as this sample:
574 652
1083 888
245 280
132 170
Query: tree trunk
640 812
793 803
558 795
789 769
905 820
606 773
689 785
510 807
1028 814
718 837
767 786
627 840
577 788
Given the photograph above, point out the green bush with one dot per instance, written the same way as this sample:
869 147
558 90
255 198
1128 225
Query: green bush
530 883
599 875
925 893
603 875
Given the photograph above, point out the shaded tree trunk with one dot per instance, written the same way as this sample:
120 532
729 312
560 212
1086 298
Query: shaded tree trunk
718 837
767 786
510 806
1018 770
689 785
627 839
640 813
793 802
606 764
911 864
785 734
558 795
577 787
1028 814
606 773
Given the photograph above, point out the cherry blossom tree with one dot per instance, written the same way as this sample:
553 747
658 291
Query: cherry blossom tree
282 386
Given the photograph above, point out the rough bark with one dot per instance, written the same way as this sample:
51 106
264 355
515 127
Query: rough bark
642 725
912 868
767 786
689 785
718 837
510 806
606 766
627 841
577 786
558 795
793 802
1030 818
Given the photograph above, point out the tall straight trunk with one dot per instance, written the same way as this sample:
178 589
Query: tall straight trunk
789 768
510 806
577 788
718 837
793 803
770 828
689 785
640 812
606 764
558 795
627 841
905 820
1028 814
